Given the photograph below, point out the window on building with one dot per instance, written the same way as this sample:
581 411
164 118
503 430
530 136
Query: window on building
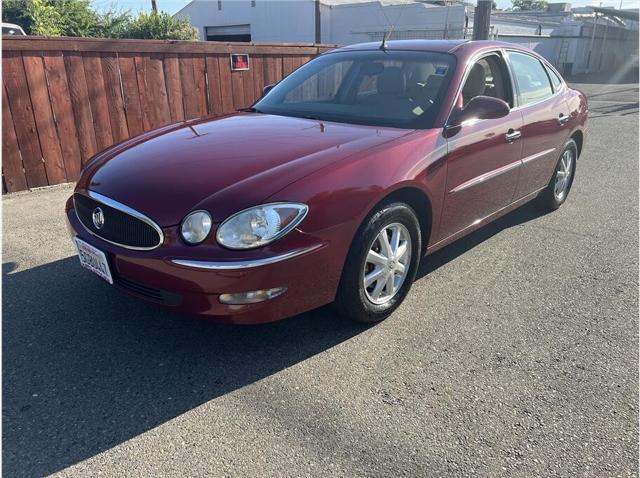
239 33
219 4
531 78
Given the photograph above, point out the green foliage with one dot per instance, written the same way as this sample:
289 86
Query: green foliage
160 26
76 18
529 4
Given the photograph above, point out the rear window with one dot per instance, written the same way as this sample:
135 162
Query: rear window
531 78
555 79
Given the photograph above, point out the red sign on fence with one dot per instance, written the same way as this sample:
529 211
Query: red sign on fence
239 61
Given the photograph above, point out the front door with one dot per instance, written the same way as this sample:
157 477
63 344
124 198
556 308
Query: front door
484 156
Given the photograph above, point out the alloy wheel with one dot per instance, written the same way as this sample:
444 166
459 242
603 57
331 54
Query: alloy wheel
563 175
387 263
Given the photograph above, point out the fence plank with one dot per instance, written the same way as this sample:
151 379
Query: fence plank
174 87
63 113
224 70
289 63
237 88
113 88
200 92
188 85
146 98
98 100
273 69
257 65
12 169
213 83
155 81
132 106
192 74
24 121
47 134
81 108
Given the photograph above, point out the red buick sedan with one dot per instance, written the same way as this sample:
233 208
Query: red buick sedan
334 185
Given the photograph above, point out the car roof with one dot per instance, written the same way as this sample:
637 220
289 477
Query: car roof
445 46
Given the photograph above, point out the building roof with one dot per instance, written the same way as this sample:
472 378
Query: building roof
614 12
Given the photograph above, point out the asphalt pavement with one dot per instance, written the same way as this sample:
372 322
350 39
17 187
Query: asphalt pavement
515 354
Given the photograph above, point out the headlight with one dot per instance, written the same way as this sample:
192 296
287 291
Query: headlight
196 227
258 226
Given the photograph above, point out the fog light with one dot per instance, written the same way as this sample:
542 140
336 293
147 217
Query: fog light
252 297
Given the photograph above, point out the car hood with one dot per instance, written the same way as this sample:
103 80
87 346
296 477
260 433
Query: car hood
240 160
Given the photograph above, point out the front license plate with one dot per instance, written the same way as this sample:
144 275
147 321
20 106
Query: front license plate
93 259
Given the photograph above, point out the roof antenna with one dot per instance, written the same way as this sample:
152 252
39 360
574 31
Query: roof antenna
387 35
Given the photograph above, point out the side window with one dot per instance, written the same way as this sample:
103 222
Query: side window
487 78
531 78
555 79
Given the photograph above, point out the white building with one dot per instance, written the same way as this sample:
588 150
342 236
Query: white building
340 21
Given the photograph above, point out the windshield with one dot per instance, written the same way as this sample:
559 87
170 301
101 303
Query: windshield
401 89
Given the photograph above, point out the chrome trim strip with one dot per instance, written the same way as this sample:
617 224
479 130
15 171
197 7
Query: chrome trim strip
122 208
485 177
537 155
484 221
248 264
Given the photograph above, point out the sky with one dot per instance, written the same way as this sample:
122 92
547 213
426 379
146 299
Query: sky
173 6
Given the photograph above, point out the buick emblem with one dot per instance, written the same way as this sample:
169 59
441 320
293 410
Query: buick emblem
98 218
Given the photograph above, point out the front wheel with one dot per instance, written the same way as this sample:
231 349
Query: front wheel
381 264
556 192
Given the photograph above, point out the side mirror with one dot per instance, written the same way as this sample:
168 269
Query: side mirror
267 89
480 107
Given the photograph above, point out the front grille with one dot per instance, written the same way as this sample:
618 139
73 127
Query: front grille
119 227
157 295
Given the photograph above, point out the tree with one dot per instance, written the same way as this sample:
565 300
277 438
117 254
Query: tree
529 4
76 18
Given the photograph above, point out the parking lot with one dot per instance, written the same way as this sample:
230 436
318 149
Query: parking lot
515 354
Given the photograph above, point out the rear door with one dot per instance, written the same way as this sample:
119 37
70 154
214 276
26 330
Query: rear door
483 159
545 113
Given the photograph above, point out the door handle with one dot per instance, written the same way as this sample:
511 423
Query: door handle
562 119
512 135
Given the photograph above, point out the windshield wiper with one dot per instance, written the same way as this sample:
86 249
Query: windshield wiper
250 109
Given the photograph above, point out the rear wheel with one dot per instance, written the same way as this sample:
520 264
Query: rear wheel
556 192
381 264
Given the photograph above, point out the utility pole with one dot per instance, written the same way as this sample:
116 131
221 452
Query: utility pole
318 26
482 20
154 6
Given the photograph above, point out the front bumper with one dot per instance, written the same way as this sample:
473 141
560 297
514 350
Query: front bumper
310 270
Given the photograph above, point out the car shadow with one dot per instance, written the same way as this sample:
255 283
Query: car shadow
87 368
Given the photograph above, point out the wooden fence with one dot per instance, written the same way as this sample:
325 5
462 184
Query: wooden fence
65 99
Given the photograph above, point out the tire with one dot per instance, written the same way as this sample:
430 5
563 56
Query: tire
358 302
549 199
